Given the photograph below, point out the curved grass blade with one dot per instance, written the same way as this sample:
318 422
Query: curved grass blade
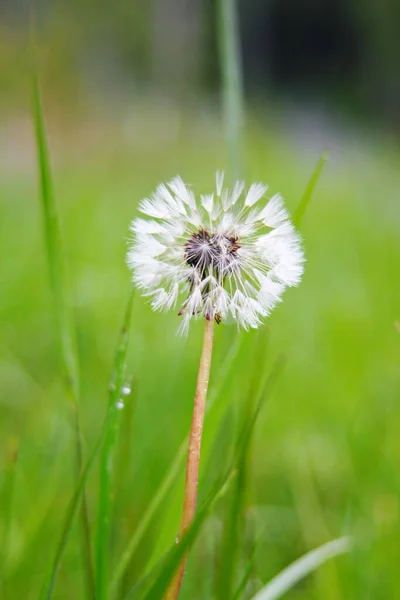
155 583
63 316
305 565
172 474
117 392
306 198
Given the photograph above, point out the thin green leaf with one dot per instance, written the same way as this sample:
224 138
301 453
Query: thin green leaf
63 315
171 475
118 391
306 199
305 565
52 233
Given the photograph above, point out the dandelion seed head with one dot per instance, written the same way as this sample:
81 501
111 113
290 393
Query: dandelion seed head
228 255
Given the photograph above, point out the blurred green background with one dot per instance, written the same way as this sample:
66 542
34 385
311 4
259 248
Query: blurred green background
131 94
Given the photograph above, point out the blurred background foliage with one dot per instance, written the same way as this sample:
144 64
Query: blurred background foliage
341 53
131 91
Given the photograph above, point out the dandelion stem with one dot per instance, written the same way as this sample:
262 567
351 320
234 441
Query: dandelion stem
193 459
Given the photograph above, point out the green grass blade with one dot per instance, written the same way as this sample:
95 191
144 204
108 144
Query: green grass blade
74 503
154 584
52 233
64 322
305 565
306 199
232 87
176 467
116 395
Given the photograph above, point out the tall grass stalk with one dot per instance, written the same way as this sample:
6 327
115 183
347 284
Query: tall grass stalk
63 315
231 78
118 390
233 103
193 459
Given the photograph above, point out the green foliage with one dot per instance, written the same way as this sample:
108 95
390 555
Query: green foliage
323 457
277 478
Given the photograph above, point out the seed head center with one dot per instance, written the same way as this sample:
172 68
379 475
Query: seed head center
216 252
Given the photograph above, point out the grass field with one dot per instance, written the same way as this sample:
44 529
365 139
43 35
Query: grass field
324 457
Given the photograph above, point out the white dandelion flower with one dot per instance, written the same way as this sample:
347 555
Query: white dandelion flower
220 257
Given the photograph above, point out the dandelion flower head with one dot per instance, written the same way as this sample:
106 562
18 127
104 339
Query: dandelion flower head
225 256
